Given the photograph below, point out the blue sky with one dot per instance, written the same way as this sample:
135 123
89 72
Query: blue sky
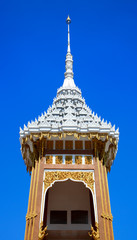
33 46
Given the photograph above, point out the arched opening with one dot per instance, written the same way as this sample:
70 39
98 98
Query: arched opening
69 211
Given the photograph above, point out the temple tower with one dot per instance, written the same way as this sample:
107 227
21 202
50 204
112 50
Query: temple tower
68 150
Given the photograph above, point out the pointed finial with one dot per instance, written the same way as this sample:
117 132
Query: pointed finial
69 81
68 21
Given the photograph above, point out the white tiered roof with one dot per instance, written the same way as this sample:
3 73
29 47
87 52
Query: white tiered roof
69 111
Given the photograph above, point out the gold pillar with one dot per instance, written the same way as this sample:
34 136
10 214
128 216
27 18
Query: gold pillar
105 213
31 214
109 207
101 193
35 200
28 211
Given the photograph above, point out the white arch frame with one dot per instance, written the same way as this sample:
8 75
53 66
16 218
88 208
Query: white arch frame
44 192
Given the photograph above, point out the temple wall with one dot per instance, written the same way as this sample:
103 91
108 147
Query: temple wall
81 199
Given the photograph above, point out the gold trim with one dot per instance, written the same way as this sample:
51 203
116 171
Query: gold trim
54 135
77 135
31 215
41 136
68 159
31 138
32 199
42 150
32 176
49 159
42 232
36 193
101 195
88 159
69 133
94 232
78 160
86 177
58 159
84 135
105 208
109 204
36 135
42 202
30 193
107 216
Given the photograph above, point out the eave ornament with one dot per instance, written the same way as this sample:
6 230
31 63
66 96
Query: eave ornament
86 177
94 233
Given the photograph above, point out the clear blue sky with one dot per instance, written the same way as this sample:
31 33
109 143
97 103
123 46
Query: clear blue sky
33 45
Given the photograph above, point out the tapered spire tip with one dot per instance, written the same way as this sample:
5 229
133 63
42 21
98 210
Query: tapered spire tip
69 81
68 21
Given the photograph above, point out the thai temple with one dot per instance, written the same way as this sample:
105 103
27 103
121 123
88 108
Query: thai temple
68 151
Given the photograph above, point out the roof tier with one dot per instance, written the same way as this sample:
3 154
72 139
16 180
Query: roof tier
69 112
